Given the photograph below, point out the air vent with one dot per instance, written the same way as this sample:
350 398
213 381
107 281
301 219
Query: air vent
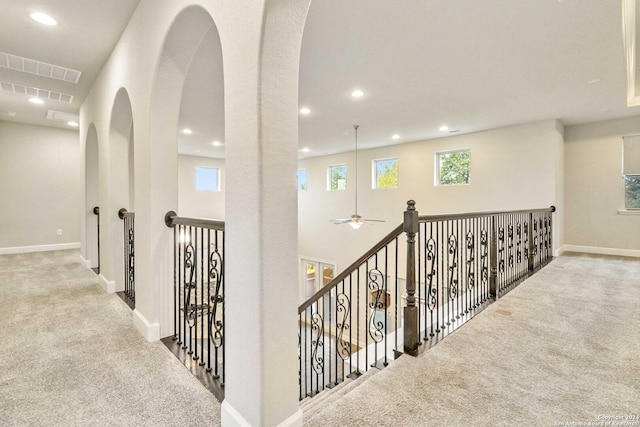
33 91
62 116
39 68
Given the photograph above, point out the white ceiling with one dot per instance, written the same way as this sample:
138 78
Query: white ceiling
86 33
468 64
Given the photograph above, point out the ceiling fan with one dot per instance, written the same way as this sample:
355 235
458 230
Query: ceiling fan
356 220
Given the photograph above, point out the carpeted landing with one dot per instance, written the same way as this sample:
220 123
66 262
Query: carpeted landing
70 355
563 348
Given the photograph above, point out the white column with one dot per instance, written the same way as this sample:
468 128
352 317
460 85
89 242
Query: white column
261 46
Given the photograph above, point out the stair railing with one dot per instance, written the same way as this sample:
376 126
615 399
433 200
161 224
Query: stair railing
96 212
199 303
129 294
454 266
466 261
351 324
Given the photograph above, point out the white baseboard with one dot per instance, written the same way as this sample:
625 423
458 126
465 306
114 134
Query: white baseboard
601 251
85 262
232 418
39 248
109 286
150 331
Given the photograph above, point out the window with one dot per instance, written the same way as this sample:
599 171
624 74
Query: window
302 180
631 171
453 167
207 179
385 173
337 177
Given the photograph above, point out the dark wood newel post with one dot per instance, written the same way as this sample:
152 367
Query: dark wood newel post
411 327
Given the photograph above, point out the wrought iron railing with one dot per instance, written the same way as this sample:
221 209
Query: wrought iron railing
347 326
129 293
408 292
467 260
199 293
96 212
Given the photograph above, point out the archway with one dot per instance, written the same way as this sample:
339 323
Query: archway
191 40
121 181
92 200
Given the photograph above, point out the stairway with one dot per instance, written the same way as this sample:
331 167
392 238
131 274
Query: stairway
312 406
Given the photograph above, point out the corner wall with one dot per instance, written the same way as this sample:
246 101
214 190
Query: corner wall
594 189
40 188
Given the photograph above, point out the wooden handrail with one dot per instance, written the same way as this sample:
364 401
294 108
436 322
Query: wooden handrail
171 219
355 265
444 217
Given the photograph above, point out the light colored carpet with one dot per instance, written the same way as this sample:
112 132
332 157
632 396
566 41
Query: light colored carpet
562 347
70 355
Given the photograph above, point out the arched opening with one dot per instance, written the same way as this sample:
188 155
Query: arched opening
92 199
201 150
187 94
121 181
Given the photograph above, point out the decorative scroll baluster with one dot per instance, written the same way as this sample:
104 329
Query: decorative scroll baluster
128 295
471 278
199 297
452 250
432 280
461 264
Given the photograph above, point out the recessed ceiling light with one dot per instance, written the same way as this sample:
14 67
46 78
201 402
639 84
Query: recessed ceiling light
217 143
602 110
444 128
36 101
73 124
44 19
187 131
396 136
305 110
11 113
593 81
357 93
306 150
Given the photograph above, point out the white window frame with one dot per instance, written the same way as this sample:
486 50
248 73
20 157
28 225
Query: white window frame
374 173
436 163
329 175
217 173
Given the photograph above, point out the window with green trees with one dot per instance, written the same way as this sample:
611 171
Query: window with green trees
385 173
453 167
631 171
337 177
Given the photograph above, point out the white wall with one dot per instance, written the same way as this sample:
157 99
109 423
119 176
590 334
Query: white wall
39 185
594 189
200 204
515 167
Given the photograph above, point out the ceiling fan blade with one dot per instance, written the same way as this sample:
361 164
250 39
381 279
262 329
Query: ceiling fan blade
374 220
340 221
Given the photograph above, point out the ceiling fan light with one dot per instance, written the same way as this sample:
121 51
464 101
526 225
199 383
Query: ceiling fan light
355 224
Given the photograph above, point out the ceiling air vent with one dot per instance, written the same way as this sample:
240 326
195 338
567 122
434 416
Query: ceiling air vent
39 68
62 116
34 91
